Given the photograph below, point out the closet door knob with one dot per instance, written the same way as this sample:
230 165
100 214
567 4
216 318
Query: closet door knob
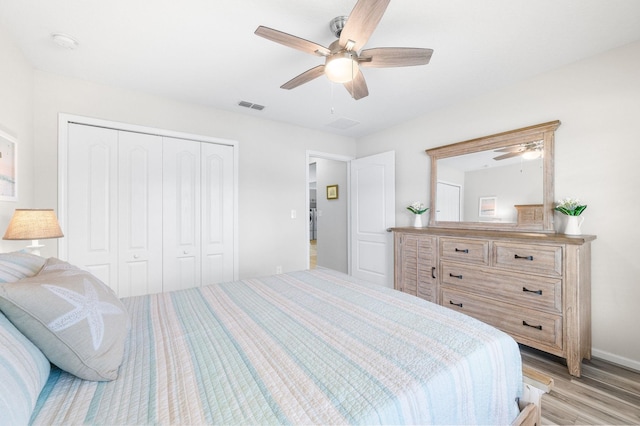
135 256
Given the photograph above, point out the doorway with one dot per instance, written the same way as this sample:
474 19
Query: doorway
328 226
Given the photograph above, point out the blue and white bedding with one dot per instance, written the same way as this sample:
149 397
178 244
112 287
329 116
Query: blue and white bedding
310 347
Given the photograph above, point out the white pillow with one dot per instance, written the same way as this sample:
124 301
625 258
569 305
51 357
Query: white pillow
23 373
19 264
73 317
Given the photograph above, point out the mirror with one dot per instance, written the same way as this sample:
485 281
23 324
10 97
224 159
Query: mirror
502 181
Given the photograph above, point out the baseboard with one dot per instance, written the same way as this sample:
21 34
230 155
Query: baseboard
616 359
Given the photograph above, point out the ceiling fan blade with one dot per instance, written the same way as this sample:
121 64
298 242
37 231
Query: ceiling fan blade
292 41
357 87
507 155
303 78
515 148
362 21
383 57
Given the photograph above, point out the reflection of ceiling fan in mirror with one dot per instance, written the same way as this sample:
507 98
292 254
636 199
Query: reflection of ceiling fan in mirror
342 60
528 151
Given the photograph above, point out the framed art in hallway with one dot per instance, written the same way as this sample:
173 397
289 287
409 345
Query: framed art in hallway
332 192
8 168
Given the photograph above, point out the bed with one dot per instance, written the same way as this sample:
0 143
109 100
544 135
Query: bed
308 347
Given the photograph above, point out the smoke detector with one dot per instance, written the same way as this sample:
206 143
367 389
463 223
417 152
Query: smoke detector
64 40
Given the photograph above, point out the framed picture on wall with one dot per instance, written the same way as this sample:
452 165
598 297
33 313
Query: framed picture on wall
488 207
8 168
332 192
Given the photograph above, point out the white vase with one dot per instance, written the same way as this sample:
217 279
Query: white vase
572 225
417 221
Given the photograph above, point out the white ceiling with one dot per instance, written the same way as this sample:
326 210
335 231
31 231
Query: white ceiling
205 52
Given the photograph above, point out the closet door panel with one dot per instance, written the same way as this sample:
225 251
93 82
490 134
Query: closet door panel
92 202
181 214
140 214
217 213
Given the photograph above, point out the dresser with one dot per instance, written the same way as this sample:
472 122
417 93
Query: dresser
533 286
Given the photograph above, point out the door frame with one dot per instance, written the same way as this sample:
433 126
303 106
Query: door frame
64 120
337 157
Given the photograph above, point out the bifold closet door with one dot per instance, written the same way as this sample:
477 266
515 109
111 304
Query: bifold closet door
198 240
92 201
182 255
217 213
139 214
115 207
149 213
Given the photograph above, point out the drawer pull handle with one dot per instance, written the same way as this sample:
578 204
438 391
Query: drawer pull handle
539 327
455 276
523 257
433 272
462 250
459 305
532 291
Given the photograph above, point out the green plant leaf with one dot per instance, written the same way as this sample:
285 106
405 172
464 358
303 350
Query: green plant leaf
579 209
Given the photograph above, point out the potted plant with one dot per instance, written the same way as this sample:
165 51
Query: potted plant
572 208
417 208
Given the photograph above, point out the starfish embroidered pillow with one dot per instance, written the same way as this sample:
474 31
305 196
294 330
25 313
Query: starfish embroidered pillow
72 317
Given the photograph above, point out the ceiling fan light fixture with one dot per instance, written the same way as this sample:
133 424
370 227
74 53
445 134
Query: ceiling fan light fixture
341 67
532 155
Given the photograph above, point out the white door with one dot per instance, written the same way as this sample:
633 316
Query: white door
448 204
373 212
181 214
139 214
91 230
147 213
217 213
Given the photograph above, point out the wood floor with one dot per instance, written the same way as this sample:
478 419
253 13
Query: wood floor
313 254
605 394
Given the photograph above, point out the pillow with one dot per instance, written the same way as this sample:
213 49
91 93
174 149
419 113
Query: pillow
72 316
19 264
23 373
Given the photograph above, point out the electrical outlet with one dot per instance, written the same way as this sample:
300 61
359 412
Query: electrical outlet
278 269
294 214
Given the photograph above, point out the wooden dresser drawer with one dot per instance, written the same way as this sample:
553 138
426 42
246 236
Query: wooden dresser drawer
538 259
476 251
538 329
519 289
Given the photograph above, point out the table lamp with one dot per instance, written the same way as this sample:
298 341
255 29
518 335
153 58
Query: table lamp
33 224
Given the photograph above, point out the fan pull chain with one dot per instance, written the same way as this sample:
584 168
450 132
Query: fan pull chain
332 110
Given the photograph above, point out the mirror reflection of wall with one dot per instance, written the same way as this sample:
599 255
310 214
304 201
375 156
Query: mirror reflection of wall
520 181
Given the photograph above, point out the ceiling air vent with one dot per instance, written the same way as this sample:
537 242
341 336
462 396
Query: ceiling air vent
250 105
343 123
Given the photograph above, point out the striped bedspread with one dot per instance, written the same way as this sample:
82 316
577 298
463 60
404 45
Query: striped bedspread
310 347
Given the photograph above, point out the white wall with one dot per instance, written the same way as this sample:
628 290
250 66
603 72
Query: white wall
272 160
597 156
16 119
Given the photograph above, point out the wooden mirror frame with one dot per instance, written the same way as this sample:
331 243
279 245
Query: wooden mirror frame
544 132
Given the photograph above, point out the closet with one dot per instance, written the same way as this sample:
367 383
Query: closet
148 213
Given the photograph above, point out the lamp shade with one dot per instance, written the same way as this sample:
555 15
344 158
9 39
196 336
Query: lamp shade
33 224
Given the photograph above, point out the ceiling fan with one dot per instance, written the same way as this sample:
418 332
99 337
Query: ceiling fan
528 151
342 60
